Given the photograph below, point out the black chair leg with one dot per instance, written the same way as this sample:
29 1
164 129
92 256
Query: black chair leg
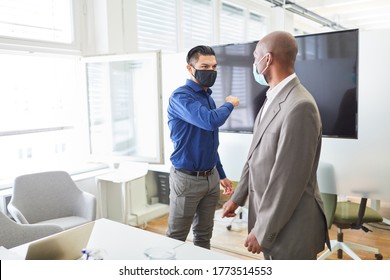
340 238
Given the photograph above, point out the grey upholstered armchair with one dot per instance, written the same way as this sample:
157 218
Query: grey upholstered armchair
51 198
13 234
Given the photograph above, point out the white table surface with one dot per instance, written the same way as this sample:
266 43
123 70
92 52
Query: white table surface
117 241
126 172
188 251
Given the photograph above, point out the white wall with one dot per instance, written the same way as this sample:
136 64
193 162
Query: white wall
362 165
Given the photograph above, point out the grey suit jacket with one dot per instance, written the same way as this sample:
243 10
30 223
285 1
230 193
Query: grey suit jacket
279 177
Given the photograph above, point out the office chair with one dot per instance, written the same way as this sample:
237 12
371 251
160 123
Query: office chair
13 234
51 198
345 215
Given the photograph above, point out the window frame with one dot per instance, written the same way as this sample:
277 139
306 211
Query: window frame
159 142
32 45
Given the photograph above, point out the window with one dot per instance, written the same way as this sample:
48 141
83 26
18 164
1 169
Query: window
41 113
232 23
256 27
43 20
157 26
124 107
178 25
197 23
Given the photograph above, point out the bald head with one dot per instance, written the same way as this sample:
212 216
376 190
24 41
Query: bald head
282 45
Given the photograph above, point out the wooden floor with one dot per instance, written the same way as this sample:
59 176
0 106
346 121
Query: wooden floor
231 241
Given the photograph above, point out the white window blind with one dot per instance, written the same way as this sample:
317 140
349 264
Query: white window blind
256 27
156 25
232 23
44 20
197 22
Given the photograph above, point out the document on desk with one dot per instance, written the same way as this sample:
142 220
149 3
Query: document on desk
6 254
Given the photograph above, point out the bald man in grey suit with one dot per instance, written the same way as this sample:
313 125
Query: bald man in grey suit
286 215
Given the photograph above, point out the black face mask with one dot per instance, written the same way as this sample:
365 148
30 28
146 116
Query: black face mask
205 77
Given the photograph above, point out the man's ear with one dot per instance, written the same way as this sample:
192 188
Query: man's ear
269 58
189 69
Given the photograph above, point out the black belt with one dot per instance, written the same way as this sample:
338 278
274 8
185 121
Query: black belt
197 173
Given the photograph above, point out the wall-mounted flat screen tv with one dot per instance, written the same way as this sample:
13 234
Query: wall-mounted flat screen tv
327 65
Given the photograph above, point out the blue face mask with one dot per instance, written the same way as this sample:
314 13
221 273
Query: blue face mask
260 77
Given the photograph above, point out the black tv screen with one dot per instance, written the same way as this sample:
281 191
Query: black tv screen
326 65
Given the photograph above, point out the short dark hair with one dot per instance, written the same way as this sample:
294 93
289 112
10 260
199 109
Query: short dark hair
194 53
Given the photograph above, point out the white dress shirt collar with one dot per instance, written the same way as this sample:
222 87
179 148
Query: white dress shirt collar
271 93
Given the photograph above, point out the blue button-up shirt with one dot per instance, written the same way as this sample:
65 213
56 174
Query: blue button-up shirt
194 121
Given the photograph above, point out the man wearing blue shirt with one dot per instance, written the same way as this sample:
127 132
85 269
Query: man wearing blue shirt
196 171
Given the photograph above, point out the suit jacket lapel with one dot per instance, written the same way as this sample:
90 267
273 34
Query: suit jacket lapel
262 125
273 109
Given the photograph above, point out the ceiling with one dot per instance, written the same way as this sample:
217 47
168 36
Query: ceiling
348 14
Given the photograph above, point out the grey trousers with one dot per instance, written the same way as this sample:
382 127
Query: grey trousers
193 200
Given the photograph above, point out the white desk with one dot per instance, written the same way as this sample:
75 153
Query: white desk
118 241
188 251
122 195
106 193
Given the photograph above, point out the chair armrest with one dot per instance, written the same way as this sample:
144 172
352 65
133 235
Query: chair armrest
362 210
16 214
86 206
